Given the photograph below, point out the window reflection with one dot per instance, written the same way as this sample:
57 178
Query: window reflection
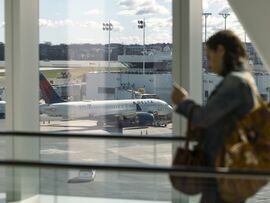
105 69
215 19
106 65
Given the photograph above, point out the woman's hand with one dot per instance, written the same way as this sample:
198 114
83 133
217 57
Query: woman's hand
179 94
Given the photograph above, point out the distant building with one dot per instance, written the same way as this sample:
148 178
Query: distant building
156 61
111 86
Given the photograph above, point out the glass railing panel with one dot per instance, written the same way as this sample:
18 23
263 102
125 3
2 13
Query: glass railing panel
107 185
131 186
128 185
114 151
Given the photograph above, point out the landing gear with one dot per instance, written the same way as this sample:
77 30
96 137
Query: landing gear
159 123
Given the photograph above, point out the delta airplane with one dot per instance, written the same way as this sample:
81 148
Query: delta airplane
125 113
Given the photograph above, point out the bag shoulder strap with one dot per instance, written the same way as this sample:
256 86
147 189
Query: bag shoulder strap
189 125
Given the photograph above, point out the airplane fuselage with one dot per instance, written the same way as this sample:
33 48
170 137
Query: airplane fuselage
97 109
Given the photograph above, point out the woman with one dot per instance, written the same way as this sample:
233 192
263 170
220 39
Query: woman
232 99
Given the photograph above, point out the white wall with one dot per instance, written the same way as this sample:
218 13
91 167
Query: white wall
159 84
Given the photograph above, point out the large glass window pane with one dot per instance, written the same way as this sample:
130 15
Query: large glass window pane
218 15
106 67
3 140
89 182
2 67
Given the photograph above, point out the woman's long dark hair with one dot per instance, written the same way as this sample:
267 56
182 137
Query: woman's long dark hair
234 49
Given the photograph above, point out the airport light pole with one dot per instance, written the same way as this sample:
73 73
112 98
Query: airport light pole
225 16
206 15
108 27
142 25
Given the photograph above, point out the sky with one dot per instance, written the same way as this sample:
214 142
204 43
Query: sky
80 21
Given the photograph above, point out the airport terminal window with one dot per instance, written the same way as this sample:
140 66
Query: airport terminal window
107 55
116 57
215 19
218 15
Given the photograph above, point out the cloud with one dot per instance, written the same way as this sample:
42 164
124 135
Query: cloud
142 7
208 4
89 24
117 26
128 39
45 23
163 37
226 9
216 22
157 24
158 30
151 38
92 12
55 23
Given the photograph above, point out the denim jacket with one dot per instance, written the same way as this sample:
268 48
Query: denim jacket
234 97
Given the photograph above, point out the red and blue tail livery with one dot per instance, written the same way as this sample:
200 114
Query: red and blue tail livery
47 92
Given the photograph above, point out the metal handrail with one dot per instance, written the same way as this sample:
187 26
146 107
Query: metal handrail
179 171
93 136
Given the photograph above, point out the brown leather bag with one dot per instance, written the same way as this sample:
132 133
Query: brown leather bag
246 147
189 158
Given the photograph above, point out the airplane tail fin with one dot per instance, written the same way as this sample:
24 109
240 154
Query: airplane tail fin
47 92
